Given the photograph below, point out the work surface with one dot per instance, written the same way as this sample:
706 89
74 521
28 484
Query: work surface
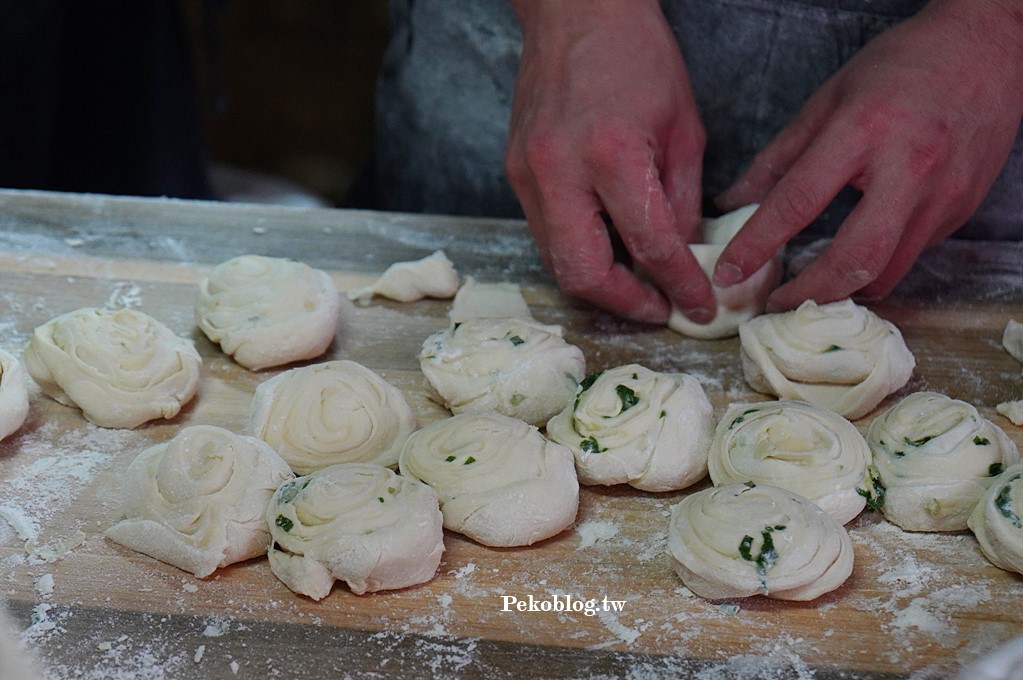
917 605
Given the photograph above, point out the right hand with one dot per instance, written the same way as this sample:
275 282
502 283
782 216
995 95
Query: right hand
604 122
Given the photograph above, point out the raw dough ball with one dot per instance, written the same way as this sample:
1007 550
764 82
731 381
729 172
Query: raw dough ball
476 300
996 520
1012 339
13 394
500 481
516 367
330 413
198 501
433 276
935 456
735 304
839 356
359 523
796 446
748 539
268 311
121 368
631 425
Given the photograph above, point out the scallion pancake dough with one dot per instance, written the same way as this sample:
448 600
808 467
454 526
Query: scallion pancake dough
934 457
631 425
268 311
433 276
121 368
748 539
997 520
13 394
796 446
198 501
356 522
839 356
515 367
329 413
500 481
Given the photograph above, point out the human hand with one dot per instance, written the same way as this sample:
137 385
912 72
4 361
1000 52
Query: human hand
604 122
921 121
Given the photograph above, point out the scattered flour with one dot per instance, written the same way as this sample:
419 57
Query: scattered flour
592 531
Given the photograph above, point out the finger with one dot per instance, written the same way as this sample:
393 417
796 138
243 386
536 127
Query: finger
681 176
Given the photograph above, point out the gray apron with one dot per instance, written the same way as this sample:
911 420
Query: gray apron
445 90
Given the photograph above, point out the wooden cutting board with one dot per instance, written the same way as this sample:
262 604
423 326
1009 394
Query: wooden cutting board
920 605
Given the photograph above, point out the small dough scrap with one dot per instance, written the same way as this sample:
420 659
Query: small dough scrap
934 457
476 300
747 539
838 356
268 311
735 304
500 482
996 520
1013 410
198 501
121 368
631 425
516 367
796 446
13 394
1012 339
433 276
355 522
330 413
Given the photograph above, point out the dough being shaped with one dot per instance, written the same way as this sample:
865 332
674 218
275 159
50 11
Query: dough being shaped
330 413
747 539
839 356
268 311
1013 410
934 457
13 394
631 425
516 367
996 520
796 446
433 276
1012 339
735 304
198 501
359 523
121 368
500 482
476 300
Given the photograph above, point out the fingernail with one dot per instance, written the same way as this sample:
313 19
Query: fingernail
699 314
727 274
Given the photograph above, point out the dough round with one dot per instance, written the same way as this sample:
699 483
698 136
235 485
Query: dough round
997 520
839 356
935 456
330 413
121 368
500 481
356 522
735 304
515 367
631 425
198 501
796 446
13 394
747 539
268 311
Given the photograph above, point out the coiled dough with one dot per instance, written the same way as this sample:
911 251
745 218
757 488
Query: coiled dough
330 413
121 368
198 501
631 425
355 522
268 311
997 520
934 457
796 446
747 539
500 481
13 394
839 356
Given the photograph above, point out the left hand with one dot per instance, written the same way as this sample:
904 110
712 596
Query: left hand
921 121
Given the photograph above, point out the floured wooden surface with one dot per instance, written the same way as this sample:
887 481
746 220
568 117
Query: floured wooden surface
917 605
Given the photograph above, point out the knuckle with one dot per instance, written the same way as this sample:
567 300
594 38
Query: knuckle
542 155
799 203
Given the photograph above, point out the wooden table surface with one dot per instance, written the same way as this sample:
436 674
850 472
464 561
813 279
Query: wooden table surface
917 605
